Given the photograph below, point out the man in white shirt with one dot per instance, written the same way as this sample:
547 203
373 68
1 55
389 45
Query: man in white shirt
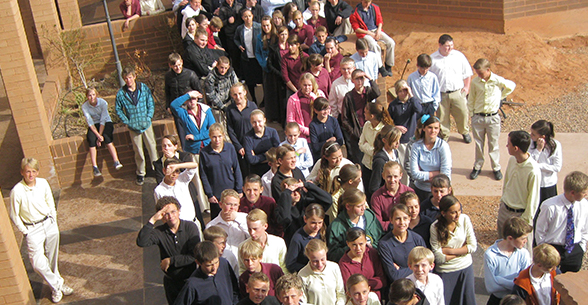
341 86
234 223
32 210
454 73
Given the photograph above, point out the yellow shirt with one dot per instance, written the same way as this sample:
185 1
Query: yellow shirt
485 96
31 204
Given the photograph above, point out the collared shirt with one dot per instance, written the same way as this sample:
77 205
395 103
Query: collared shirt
520 190
237 232
369 17
423 161
549 164
500 269
366 142
552 220
433 288
451 70
370 267
274 252
339 88
31 204
405 114
181 192
268 205
542 286
425 88
323 288
304 161
485 95
266 181
295 257
369 64
463 234
239 123
382 201
219 289
320 132
392 251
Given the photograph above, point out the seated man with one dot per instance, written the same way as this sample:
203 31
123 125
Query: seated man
367 23
337 13
274 247
176 240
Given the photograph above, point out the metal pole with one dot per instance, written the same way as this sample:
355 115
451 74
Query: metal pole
117 60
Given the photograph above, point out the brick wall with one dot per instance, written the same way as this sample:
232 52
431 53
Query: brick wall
29 25
524 8
72 158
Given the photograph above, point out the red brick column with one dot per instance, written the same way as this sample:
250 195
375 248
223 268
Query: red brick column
70 14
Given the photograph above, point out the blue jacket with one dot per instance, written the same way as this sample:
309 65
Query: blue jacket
200 133
136 117
260 54
239 38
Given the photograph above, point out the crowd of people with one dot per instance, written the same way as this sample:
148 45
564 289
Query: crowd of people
355 206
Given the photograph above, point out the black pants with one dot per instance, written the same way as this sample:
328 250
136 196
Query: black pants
493 300
172 288
570 261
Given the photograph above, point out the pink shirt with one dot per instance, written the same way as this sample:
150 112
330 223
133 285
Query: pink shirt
294 112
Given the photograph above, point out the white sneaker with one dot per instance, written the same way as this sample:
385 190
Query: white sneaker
66 290
56 296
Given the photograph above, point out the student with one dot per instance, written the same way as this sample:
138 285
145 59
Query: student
193 9
286 158
419 223
486 92
266 179
218 236
367 23
364 260
386 149
425 85
296 196
358 291
505 259
318 47
403 292
257 141
349 177
100 128
219 168
213 281
422 261
547 151
388 195
196 118
352 113
453 241
131 10
253 199
376 117
341 85
322 279
288 12
258 288
251 257
333 58
328 167
176 240
314 65
304 157
535 284
299 107
367 60
270 84
229 14
239 122
291 64
278 47
246 39
274 247
317 18
198 57
395 246
135 108
323 128
337 14
234 223
562 222
429 156
520 191
289 290
352 213
313 228
304 31
440 187
215 26
218 85
191 25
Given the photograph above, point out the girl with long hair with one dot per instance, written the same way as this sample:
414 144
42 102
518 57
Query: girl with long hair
300 104
349 177
314 228
328 288
314 65
292 64
328 167
278 47
547 151
386 149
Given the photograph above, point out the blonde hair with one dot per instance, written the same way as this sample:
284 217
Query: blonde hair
216 127
352 197
257 215
309 76
30 162
250 249
229 193
315 245
287 282
420 253
546 255
214 232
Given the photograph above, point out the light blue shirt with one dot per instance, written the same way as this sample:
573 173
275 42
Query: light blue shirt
425 88
423 161
369 64
303 161
501 270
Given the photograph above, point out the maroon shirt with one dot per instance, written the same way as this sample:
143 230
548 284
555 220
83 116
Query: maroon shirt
359 102
305 34
323 81
370 267
383 201
135 9
273 271
268 205
335 63
291 69
316 23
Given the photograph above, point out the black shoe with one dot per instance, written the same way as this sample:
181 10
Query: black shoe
384 72
497 175
389 69
140 180
474 174
467 138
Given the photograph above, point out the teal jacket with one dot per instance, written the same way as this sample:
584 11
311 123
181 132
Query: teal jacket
338 233
136 117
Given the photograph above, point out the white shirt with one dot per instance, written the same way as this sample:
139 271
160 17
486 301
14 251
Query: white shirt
433 288
303 161
463 234
180 190
366 142
553 217
372 299
323 288
542 287
237 232
334 172
266 181
339 88
549 165
451 70
307 14
31 204
248 36
187 13
273 253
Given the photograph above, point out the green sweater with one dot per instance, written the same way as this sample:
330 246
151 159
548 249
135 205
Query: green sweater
336 238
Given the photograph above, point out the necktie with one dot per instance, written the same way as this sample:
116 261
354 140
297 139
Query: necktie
569 246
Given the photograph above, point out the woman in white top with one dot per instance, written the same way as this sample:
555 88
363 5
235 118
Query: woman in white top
323 283
452 241
548 153
359 291
328 167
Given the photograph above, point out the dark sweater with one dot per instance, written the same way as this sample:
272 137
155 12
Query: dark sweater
320 132
220 171
273 271
393 252
259 146
279 177
220 289
295 257
239 123
178 84
405 114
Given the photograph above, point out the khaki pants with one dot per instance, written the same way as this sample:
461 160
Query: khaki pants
202 199
503 215
486 127
453 104
43 247
138 138
390 45
344 28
